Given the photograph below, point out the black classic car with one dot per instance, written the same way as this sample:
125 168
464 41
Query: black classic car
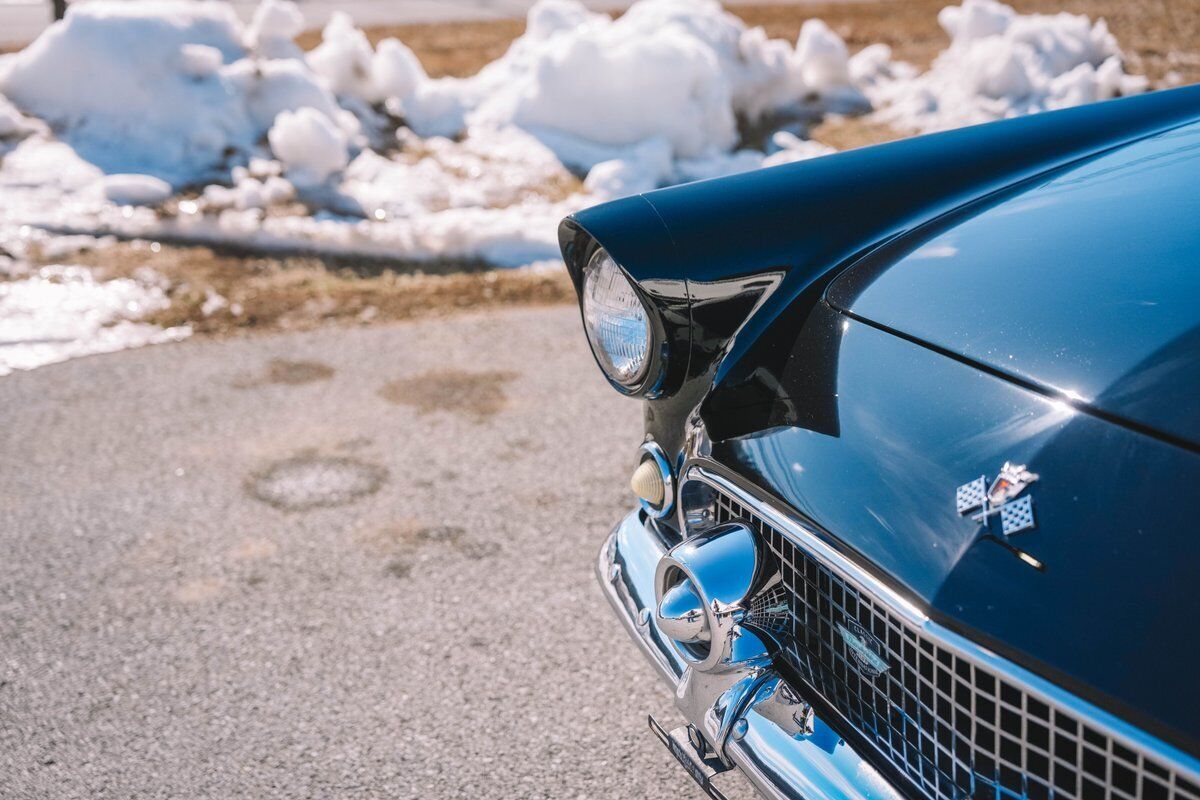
922 444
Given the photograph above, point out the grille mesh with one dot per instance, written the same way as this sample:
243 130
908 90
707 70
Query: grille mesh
957 729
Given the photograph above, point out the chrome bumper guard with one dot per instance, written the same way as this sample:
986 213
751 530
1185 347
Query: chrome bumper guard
745 717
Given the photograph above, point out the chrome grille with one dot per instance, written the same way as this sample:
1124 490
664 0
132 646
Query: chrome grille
954 726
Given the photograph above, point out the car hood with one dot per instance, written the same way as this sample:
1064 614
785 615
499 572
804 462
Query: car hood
1098 596
1081 283
1052 322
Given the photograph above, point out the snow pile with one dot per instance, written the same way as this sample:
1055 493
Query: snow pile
354 149
136 190
13 124
44 186
308 144
594 89
63 312
162 87
650 99
273 29
257 186
171 94
490 168
999 64
344 60
396 70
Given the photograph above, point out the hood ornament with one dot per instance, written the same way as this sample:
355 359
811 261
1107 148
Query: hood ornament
1016 513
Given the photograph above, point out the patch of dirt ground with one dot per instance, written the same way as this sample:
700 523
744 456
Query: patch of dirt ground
479 395
297 292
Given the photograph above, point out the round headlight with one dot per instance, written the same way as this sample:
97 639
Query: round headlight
616 321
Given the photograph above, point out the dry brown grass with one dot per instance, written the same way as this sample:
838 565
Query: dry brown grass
282 293
458 49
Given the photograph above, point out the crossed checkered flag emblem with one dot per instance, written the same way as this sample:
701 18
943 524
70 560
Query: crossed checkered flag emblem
1016 513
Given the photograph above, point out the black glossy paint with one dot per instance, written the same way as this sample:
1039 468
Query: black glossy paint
864 415
1084 282
1112 613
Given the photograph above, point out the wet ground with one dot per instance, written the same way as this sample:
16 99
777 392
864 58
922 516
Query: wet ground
353 562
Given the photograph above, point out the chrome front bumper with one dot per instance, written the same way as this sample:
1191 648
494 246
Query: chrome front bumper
748 717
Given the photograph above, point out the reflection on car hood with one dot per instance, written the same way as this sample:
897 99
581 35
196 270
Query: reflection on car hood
1083 283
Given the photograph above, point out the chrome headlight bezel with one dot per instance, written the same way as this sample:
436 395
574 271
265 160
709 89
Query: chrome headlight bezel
638 317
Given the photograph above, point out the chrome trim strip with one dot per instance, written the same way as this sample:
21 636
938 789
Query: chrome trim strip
810 542
1129 735
741 724
815 766
625 569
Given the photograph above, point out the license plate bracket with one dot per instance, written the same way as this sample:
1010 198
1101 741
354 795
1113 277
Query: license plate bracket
702 768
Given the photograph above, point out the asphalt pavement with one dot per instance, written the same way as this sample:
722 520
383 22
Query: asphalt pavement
345 563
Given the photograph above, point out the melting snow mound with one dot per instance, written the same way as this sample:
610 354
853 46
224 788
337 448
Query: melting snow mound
161 87
1001 64
64 312
298 150
309 145
136 190
678 71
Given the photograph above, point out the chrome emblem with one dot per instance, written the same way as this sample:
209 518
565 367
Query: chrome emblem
1016 513
867 650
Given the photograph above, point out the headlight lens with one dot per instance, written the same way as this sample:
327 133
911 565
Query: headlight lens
616 321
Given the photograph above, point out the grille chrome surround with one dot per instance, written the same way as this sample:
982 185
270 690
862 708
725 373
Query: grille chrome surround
956 719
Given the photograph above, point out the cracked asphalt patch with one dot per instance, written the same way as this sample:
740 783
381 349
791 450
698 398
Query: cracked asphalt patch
165 634
312 481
